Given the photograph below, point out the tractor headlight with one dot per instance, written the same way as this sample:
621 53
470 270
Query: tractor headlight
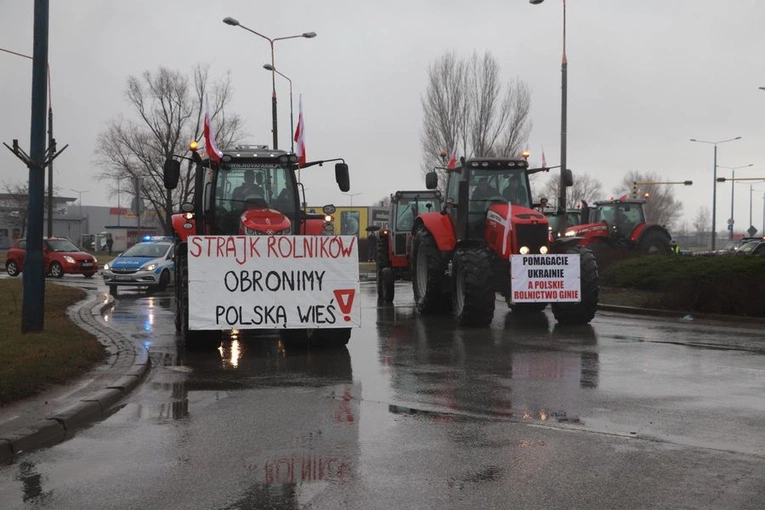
524 250
543 250
570 233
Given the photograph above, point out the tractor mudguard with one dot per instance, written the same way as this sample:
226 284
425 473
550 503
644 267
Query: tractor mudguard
313 226
440 227
183 233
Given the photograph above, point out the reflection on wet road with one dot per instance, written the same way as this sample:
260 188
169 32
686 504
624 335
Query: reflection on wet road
418 414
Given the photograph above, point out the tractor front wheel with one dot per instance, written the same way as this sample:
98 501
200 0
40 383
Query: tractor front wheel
473 293
655 243
583 311
385 276
428 278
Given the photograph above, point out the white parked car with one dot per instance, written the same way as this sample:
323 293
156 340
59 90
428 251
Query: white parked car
145 264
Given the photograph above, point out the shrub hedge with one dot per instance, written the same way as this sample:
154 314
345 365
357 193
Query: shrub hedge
723 284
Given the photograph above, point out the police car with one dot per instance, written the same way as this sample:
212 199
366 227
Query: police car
145 264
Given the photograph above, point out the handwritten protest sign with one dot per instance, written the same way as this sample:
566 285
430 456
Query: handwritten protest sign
273 282
545 278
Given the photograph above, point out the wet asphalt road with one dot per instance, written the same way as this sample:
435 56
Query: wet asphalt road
629 412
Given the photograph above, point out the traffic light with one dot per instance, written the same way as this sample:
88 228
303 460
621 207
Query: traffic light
634 190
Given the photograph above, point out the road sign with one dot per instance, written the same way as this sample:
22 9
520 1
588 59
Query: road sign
751 231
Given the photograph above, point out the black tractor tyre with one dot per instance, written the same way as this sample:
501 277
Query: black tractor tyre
473 292
428 278
194 340
655 242
583 311
383 261
387 285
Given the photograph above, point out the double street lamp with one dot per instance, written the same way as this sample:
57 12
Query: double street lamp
714 184
563 121
308 35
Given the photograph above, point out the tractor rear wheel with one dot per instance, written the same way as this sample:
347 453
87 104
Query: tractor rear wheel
473 293
428 278
655 243
583 311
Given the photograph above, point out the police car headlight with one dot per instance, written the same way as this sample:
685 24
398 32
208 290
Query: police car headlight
106 266
150 267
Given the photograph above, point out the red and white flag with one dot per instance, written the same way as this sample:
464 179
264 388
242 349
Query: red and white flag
544 161
209 134
300 136
452 163
624 196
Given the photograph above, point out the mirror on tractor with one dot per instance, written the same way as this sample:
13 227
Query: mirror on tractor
341 176
171 173
568 178
431 180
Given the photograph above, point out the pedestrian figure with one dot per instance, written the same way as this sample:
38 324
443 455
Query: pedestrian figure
372 245
109 243
674 247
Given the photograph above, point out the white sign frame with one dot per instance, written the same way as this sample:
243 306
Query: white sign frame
273 282
550 278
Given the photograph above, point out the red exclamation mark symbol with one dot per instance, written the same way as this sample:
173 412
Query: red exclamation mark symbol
344 299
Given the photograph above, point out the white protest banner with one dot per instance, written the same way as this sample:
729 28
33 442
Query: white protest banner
545 278
273 282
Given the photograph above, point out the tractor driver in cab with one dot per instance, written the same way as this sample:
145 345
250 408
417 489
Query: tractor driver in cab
248 187
514 192
483 191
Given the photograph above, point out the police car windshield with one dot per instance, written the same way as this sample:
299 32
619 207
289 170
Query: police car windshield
149 250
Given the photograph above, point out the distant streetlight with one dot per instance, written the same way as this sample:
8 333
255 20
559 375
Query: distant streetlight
714 185
351 195
269 67
308 35
80 192
732 190
563 122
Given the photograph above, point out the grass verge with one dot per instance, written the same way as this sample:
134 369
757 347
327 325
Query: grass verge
34 362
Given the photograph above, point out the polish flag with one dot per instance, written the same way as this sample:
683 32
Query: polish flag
624 196
544 161
452 164
300 136
209 134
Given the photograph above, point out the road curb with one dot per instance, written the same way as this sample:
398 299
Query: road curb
129 361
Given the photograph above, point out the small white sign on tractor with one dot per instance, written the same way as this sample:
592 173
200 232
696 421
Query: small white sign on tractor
273 282
545 278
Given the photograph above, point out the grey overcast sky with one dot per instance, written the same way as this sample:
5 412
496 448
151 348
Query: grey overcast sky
644 76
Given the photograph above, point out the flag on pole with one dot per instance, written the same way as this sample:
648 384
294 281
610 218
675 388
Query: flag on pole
452 163
300 135
544 161
209 134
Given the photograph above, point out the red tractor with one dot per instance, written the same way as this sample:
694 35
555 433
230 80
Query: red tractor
462 255
615 228
252 191
394 244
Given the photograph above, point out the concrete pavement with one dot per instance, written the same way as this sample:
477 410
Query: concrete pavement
54 415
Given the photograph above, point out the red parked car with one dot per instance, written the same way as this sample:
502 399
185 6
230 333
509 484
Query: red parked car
60 256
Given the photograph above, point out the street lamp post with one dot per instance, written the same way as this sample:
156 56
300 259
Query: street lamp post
732 191
51 144
269 67
563 123
80 192
714 185
308 35
351 195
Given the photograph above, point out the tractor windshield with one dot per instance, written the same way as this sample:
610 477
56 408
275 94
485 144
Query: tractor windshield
241 186
408 209
507 185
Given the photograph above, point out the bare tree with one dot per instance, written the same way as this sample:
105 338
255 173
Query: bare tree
169 114
661 206
586 188
701 222
465 110
17 206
